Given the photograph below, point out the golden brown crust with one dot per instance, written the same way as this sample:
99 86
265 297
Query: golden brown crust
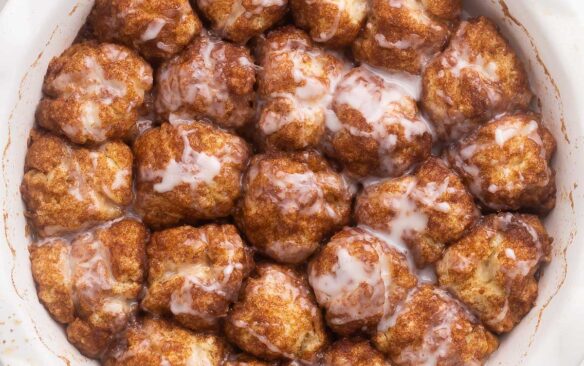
276 316
336 24
240 20
67 188
433 327
493 268
154 342
156 29
92 92
429 209
295 85
211 79
93 282
506 163
188 172
53 285
359 280
477 77
247 360
446 9
195 273
291 201
347 352
380 131
403 35
89 340
355 103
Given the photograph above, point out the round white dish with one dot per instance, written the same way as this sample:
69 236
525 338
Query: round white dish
544 32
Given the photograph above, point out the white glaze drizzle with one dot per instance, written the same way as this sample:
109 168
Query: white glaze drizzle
336 290
314 87
383 103
193 168
211 278
503 134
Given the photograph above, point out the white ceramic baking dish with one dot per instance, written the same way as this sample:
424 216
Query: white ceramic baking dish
544 32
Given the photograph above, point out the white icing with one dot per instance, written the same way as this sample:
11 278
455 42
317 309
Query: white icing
437 337
164 47
114 52
278 284
249 328
193 167
522 267
383 104
115 306
199 357
341 8
505 132
199 82
458 261
385 267
407 83
464 61
301 193
93 274
410 41
91 121
430 194
315 83
459 59
510 253
202 276
351 279
424 275
226 24
463 161
245 62
268 3
85 264
79 182
153 29
409 216
121 178
514 268
416 11
287 289
390 321
64 261
463 158
93 82
95 90
82 185
287 250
